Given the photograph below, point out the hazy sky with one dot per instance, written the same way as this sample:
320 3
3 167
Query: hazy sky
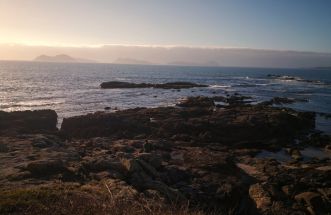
303 25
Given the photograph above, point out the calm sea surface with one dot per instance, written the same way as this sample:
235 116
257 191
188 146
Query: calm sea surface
73 89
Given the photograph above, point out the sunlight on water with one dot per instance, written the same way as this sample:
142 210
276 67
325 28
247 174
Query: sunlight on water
73 89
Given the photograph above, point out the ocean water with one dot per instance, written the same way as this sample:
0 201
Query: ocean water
73 89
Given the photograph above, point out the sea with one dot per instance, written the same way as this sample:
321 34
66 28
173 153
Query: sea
74 88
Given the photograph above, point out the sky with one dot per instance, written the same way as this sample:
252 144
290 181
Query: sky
301 25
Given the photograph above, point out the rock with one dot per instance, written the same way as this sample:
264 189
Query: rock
282 100
173 195
103 124
237 100
295 154
255 124
17 176
173 175
148 147
97 165
3 148
199 101
28 122
288 189
260 196
205 155
41 168
152 159
150 170
170 85
313 200
131 165
120 84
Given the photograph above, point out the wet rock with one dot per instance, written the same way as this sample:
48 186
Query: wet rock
120 84
282 100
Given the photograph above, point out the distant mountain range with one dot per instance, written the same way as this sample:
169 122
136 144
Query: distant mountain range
176 55
62 58
323 67
131 61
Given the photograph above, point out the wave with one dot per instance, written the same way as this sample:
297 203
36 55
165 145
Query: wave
31 103
295 78
249 85
219 86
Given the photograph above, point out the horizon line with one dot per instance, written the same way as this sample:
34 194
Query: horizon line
96 46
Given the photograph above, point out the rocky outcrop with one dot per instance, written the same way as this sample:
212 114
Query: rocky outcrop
199 155
25 122
282 100
170 85
238 125
199 101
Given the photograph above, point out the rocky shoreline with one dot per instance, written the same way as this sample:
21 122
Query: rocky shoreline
200 154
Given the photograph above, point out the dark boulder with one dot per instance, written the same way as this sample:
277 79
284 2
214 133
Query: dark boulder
170 85
42 168
26 122
120 84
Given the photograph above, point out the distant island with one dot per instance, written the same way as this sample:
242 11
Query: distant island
62 58
131 61
187 63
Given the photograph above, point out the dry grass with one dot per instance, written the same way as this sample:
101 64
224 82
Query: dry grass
85 201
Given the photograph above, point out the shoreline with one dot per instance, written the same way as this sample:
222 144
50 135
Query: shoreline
162 158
